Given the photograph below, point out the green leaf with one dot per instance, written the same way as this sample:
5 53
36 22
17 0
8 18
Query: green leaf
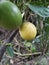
39 10
5 0
10 51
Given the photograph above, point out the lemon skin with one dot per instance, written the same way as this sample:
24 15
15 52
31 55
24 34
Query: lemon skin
28 31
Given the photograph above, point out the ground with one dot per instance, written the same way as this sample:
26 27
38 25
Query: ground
33 59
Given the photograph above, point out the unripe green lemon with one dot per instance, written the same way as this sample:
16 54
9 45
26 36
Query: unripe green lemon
28 44
33 48
28 31
10 15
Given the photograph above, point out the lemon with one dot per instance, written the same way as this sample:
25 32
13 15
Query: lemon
30 46
10 15
33 48
28 31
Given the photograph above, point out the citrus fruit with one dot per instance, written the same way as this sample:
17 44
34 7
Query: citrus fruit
28 44
28 31
10 15
33 48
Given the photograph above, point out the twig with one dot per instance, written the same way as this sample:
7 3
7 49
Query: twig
22 46
10 38
28 54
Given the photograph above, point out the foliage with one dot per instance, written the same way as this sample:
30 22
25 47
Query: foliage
10 50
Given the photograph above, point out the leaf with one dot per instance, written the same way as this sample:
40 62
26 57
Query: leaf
39 10
10 51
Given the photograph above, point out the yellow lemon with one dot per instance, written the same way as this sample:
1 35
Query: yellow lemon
28 31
